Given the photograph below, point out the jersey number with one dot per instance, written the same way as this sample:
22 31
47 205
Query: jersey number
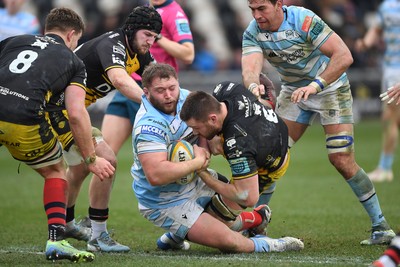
23 61
270 115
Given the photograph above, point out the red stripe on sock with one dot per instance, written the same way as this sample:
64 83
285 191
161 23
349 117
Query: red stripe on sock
378 264
55 191
392 254
250 219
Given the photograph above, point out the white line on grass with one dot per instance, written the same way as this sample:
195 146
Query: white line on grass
348 261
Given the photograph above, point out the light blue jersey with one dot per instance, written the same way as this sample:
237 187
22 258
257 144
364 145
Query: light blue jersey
152 132
389 21
17 24
294 49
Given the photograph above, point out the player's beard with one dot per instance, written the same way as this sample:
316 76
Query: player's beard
141 50
169 108
211 133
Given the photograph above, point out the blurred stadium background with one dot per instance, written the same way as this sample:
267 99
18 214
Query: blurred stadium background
217 27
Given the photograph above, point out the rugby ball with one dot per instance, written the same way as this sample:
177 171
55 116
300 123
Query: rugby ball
179 151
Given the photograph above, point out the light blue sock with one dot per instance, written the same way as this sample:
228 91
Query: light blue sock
365 192
386 161
260 245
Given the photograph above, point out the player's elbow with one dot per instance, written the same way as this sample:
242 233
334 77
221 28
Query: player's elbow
118 82
348 60
75 115
247 200
153 179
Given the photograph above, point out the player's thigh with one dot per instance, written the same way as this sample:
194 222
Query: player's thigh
181 217
209 231
35 145
116 130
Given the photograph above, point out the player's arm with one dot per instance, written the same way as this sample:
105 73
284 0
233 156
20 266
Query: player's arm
340 60
370 39
159 171
81 128
183 52
243 191
252 65
125 84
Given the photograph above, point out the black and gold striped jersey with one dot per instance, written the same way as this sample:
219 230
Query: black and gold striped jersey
34 70
254 137
105 52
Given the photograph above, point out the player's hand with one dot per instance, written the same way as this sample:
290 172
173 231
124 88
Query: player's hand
391 94
359 46
202 154
268 93
102 168
303 93
257 89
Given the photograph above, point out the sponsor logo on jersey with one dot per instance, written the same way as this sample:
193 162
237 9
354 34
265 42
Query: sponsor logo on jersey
257 109
317 29
235 154
306 24
230 86
179 14
113 35
7 91
239 166
152 130
291 34
264 37
157 122
33 153
119 50
244 105
7 143
117 60
298 53
183 26
231 143
217 89
40 44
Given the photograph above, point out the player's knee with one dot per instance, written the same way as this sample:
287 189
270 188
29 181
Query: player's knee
342 142
339 159
222 210
104 150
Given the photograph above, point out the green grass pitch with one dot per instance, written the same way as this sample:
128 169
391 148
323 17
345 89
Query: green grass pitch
312 202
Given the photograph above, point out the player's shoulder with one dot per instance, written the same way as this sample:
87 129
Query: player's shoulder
297 11
183 94
109 38
228 89
296 15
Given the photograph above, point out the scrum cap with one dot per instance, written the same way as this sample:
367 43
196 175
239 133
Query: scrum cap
142 18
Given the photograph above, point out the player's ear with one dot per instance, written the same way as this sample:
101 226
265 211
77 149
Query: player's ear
70 35
145 91
212 118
